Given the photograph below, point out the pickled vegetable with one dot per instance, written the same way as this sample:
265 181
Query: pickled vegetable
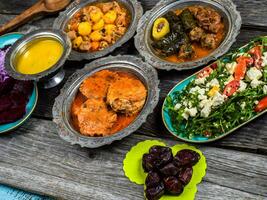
161 28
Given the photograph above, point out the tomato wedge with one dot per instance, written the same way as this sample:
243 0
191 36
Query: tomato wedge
241 67
231 88
256 53
262 105
204 72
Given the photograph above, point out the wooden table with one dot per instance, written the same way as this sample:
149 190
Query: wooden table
35 159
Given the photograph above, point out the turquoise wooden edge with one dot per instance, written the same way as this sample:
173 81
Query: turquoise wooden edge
8 193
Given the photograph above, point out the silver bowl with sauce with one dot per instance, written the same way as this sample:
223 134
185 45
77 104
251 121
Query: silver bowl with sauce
133 65
143 41
133 6
50 77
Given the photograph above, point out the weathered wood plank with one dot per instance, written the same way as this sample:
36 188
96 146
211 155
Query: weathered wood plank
252 12
34 158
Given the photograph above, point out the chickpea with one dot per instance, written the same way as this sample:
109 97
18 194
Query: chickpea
99 25
77 42
110 17
109 29
84 28
96 15
96 36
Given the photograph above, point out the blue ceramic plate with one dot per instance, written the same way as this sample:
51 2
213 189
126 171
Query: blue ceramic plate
180 86
9 39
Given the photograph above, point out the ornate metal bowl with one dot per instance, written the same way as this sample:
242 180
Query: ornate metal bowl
53 75
61 110
226 8
133 6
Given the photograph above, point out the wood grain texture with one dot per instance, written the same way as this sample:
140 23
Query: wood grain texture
249 10
34 158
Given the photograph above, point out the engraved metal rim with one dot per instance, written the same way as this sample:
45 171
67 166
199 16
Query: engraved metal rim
63 18
141 39
67 94
41 33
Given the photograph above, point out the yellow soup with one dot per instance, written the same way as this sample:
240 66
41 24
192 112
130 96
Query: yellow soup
39 56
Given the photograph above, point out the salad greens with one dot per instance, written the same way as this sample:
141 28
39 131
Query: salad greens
223 95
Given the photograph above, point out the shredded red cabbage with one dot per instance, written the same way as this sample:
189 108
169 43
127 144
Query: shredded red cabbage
3 73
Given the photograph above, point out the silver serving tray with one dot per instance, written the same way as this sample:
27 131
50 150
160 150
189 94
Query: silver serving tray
61 109
61 22
143 41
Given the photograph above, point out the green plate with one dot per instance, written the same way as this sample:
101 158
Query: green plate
181 85
10 39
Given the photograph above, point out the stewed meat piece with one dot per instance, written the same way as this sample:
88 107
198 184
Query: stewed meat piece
209 41
95 118
207 18
127 95
196 34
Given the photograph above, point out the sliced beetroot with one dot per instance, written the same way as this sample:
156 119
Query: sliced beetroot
5 103
12 115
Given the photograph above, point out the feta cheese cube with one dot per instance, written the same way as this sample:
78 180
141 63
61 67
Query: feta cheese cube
254 74
255 83
264 59
231 67
264 89
213 82
192 112
205 112
243 86
185 115
218 99
194 89
243 105
177 106
200 81
185 103
205 102
201 91
202 97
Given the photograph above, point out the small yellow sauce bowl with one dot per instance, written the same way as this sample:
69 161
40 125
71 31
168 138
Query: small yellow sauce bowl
39 56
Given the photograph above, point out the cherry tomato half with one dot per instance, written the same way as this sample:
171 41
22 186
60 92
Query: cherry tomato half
231 88
256 53
262 105
204 72
241 67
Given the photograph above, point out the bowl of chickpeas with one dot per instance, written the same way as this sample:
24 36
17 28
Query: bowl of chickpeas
97 27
